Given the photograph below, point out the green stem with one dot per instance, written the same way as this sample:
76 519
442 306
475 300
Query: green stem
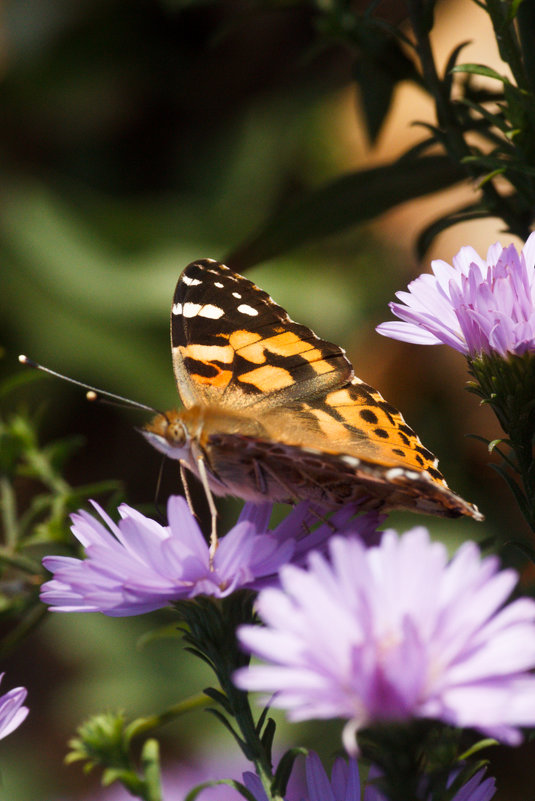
508 386
525 18
20 562
44 471
9 512
507 40
211 632
239 703
153 722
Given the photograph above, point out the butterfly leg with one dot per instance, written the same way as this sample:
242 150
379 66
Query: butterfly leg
203 475
262 484
185 484
260 478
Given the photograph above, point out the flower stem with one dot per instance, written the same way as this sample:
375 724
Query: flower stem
507 40
148 724
211 635
508 386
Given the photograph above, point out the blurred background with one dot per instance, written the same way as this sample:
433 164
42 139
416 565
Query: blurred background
135 136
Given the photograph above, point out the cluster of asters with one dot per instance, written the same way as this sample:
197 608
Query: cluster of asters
363 625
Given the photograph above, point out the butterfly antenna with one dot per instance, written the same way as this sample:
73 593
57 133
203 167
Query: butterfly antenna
92 394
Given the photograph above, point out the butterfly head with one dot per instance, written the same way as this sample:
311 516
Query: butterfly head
168 433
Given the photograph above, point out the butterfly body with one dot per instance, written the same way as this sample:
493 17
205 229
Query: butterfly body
273 412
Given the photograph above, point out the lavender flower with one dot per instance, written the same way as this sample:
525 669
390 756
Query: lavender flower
477 788
476 306
12 713
396 632
138 565
345 784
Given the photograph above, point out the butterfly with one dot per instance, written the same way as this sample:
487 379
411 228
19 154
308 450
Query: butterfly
273 412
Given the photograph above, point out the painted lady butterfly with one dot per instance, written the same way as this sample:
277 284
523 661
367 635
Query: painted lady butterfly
272 412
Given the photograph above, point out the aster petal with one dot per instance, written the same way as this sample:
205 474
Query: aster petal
477 788
319 786
528 251
394 632
467 257
138 565
12 711
475 306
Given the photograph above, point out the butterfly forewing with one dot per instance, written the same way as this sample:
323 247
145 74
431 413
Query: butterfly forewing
233 345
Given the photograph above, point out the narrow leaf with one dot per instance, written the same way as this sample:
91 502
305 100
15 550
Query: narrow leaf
479 746
481 69
285 767
471 212
354 198
515 489
241 788
268 736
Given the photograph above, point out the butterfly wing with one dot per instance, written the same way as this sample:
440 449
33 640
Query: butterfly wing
324 433
234 347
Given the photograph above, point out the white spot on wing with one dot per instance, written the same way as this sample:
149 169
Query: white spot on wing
177 308
394 472
191 281
190 309
245 309
236 295
218 284
212 312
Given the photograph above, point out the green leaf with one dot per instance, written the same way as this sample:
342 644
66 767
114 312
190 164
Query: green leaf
450 65
226 723
471 212
379 68
193 794
496 120
376 87
219 697
352 199
268 736
516 490
481 69
285 767
479 746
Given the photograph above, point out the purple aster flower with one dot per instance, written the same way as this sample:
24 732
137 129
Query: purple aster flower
12 713
476 306
396 632
138 565
345 784
477 788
